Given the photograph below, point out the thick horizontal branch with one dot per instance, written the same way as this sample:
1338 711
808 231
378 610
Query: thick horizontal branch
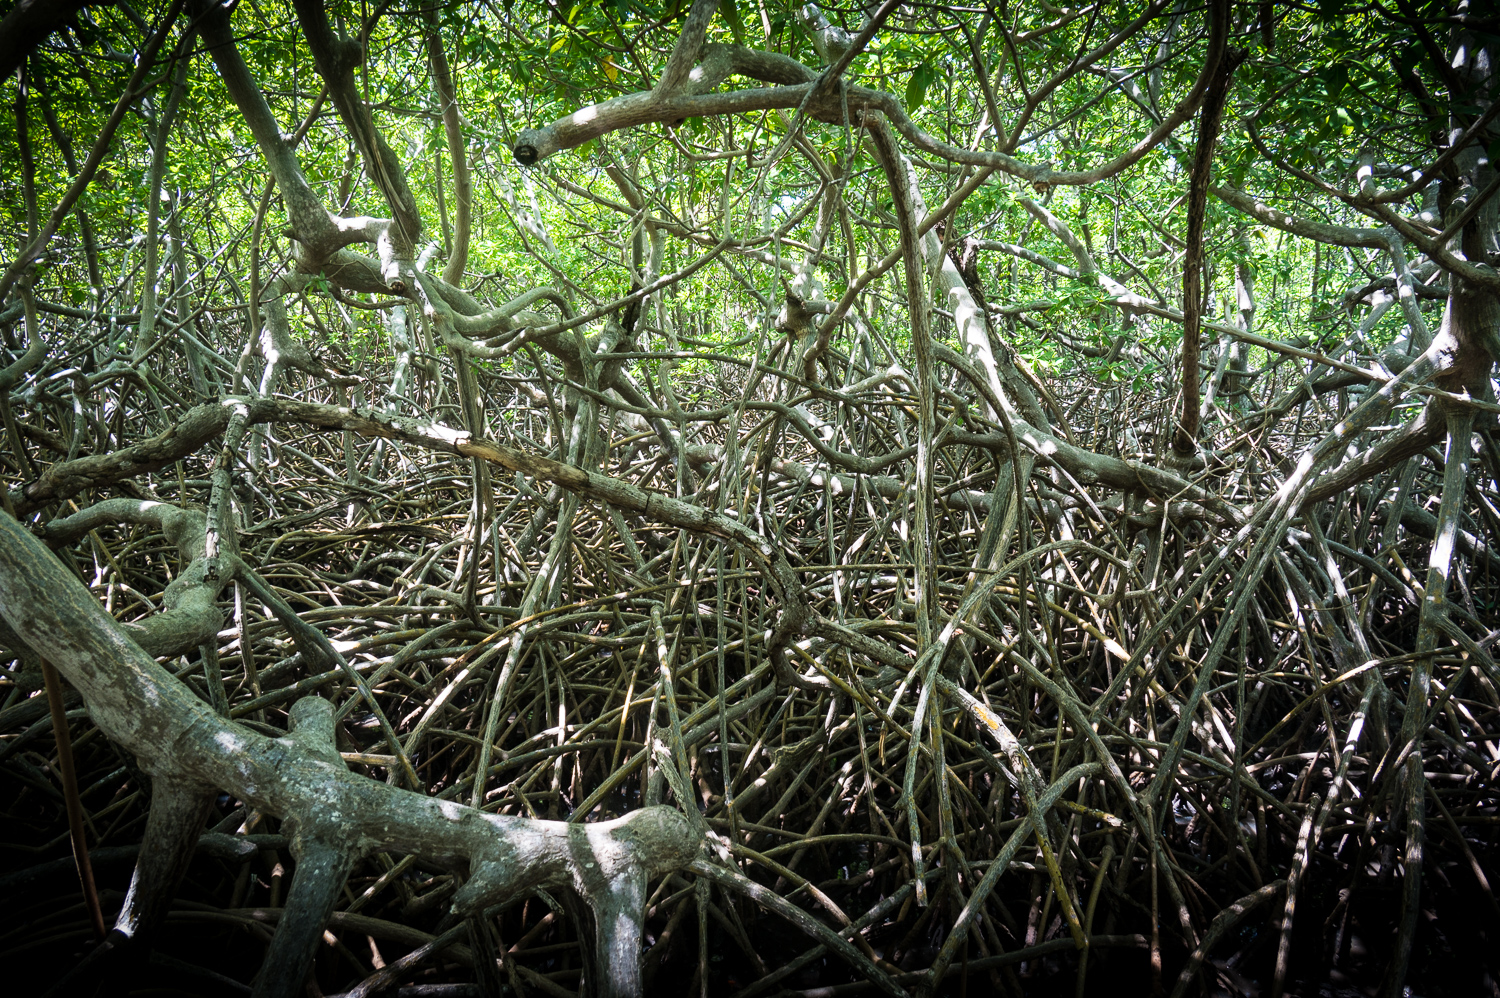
1336 235
68 478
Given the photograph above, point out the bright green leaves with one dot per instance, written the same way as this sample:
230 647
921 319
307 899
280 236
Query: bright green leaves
1338 97
916 87
567 36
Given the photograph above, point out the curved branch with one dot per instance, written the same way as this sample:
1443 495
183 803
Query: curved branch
176 736
689 45
535 144
1337 235
335 58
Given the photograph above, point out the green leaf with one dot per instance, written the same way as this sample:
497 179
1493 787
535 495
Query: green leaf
731 16
1336 77
916 87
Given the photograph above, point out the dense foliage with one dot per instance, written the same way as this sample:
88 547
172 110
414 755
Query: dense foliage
1019 482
